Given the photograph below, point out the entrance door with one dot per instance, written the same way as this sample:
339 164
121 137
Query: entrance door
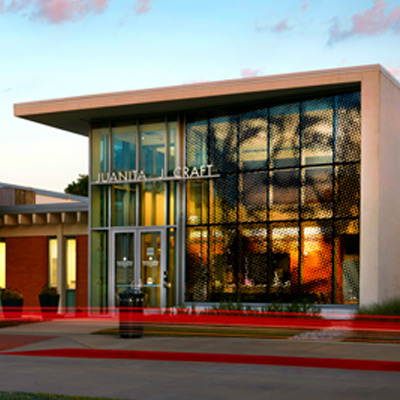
139 261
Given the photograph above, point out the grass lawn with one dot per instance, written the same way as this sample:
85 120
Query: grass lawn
44 396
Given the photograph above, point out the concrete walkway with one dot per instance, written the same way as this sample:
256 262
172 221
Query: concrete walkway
139 379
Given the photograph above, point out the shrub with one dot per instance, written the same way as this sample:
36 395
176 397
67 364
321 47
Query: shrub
388 307
48 291
11 294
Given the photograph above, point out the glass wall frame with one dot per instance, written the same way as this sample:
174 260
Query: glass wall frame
312 164
110 202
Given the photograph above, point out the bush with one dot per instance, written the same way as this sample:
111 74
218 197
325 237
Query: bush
48 291
388 307
11 294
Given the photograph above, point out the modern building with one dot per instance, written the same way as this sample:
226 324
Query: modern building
44 241
278 187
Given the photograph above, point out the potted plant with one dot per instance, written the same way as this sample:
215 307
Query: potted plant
48 299
12 301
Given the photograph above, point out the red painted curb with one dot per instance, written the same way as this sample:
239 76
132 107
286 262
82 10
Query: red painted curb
309 362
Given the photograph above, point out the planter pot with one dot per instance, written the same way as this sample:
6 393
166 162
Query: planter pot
49 305
12 308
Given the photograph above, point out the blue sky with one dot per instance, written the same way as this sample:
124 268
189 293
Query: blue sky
60 48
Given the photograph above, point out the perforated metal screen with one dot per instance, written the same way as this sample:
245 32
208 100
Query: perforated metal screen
282 221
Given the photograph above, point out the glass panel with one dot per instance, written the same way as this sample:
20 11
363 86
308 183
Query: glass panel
224 266
317 262
223 208
99 275
196 143
123 205
285 136
253 197
152 202
124 263
170 275
172 147
317 131
71 263
253 140
151 268
124 147
152 149
196 275
53 263
99 206
99 151
284 195
172 203
318 193
347 190
252 263
347 259
197 202
223 144
348 131
2 264
283 277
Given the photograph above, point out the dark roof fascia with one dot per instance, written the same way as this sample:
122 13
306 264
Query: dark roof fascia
43 192
44 208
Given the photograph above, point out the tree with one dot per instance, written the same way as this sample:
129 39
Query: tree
79 187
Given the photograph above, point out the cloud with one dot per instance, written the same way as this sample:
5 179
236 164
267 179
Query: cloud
278 28
18 5
305 6
393 70
194 81
142 6
281 26
249 72
378 19
55 11
59 11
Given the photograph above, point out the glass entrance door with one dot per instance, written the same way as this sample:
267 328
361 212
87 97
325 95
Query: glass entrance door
151 273
139 261
124 260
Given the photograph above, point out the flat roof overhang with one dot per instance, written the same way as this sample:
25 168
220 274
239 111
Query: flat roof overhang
75 114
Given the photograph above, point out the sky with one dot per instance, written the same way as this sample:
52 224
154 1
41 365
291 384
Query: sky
60 48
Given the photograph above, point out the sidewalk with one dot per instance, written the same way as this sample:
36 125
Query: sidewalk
77 334
63 357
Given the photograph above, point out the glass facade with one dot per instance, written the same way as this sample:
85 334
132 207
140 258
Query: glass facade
281 223
278 220
132 210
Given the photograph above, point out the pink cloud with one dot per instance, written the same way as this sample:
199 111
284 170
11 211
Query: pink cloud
393 70
194 81
279 27
378 19
59 11
305 6
56 11
18 5
142 6
249 72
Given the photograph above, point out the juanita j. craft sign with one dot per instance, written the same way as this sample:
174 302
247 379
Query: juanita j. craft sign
134 176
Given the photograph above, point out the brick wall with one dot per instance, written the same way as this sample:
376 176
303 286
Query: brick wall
81 294
26 266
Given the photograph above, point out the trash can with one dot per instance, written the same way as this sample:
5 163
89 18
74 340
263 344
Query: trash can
131 303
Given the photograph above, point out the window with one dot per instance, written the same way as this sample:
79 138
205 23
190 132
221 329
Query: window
71 263
53 262
2 264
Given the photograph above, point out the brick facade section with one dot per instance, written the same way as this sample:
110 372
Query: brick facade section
26 266
81 294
